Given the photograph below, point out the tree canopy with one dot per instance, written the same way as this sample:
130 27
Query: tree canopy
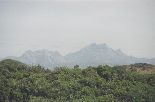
23 83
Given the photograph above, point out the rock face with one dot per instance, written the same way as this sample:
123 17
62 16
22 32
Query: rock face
91 55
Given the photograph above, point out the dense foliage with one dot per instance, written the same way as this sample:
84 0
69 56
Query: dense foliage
22 83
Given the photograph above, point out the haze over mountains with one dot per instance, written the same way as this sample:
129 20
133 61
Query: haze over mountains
91 55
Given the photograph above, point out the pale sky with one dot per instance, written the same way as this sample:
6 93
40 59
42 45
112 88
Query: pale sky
68 25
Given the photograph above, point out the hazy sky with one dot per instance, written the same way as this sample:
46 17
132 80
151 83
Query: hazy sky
68 25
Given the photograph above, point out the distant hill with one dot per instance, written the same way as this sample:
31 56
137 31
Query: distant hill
93 55
42 57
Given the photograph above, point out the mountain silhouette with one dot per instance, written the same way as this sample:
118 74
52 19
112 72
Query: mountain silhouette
91 55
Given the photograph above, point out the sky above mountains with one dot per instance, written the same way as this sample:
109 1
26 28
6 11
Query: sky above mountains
67 26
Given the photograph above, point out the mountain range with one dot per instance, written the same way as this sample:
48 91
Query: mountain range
91 55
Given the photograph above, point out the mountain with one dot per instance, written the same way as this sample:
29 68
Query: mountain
43 57
96 54
91 55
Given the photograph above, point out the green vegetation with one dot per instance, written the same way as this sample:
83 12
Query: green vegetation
23 83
